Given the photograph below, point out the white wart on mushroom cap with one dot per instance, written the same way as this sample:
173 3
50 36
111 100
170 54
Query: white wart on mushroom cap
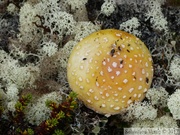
109 70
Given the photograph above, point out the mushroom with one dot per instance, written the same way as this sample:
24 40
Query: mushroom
109 70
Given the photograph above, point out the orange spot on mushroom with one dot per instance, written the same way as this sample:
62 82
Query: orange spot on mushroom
109 70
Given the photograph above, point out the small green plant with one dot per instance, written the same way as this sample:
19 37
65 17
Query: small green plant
16 123
57 124
28 131
20 107
58 132
61 117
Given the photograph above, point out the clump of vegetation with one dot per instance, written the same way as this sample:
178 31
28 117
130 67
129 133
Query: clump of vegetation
15 123
60 118
57 124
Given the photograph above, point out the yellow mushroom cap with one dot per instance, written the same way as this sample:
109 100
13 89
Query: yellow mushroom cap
109 70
